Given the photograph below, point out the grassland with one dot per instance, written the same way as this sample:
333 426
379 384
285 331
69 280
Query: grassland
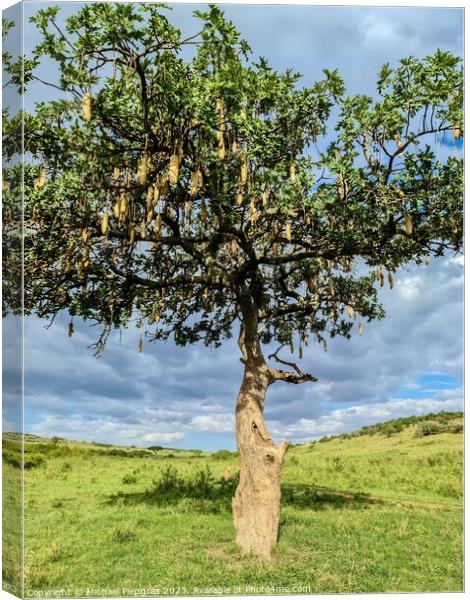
372 513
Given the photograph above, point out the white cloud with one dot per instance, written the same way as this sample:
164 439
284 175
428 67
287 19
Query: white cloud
162 437
218 423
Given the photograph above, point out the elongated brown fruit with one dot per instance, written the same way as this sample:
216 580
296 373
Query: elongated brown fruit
70 329
234 247
221 148
116 173
244 171
158 226
427 260
292 175
131 235
104 223
360 329
456 129
253 213
408 224
264 198
390 280
116 209
397 139
86 106
203 212
219 105
196 180
381 276
331 287
142 170
41 180
140 345
174 169
288 232
123 204
239 199
350 311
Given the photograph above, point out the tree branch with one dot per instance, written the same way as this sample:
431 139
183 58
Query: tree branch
288 376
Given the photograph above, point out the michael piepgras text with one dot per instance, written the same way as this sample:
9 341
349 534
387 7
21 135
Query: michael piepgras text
140 592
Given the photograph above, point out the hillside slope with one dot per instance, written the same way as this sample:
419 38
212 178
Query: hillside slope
363 513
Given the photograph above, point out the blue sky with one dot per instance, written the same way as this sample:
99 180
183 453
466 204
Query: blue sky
409 363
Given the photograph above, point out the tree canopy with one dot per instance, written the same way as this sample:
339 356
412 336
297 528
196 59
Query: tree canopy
182 185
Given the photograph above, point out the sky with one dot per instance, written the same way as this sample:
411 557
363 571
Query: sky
409 363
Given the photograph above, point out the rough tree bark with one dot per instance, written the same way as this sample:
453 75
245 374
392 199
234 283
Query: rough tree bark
256 505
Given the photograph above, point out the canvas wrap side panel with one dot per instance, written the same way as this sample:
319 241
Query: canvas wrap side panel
12 317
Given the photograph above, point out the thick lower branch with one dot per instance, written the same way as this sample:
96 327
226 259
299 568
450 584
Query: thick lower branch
290 377
296 376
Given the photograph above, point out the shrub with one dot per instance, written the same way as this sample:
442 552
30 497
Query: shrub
223 455
12 457
429 428
129 479
32 461
201 484
155 448
455 426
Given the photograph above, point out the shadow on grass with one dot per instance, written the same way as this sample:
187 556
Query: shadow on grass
204 492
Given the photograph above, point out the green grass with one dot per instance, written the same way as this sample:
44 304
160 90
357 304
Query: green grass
374 513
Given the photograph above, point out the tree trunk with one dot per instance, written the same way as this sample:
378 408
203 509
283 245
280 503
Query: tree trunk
256 504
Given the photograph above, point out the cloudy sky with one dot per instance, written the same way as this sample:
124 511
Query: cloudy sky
409 363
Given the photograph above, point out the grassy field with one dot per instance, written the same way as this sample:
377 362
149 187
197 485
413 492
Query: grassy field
373 513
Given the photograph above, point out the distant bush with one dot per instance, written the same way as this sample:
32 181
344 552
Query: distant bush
223 455
11 454
456 426
156 448
429 428
129 479
32 461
